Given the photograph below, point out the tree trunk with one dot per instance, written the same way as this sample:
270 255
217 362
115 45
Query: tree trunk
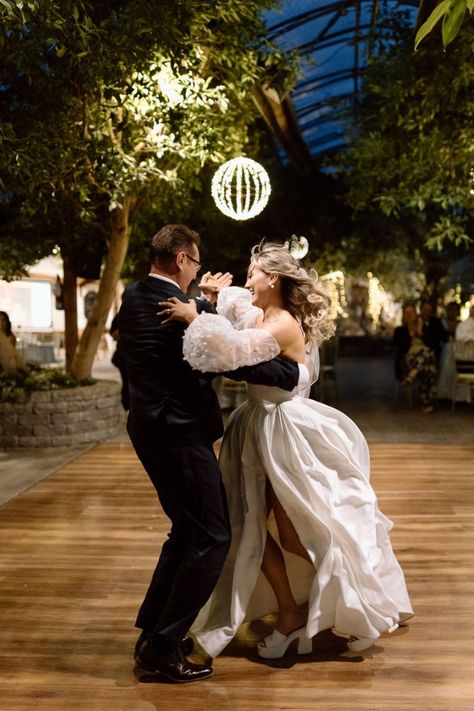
70 310
10 360
120 229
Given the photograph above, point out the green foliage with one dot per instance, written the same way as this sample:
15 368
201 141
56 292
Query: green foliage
452 13
413 158
17 386
128 99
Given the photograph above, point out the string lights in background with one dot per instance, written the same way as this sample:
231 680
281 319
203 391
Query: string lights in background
241 188
333 282
377 298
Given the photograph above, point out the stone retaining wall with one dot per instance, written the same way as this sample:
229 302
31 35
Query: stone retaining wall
59 418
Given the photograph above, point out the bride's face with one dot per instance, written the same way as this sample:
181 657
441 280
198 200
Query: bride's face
258 284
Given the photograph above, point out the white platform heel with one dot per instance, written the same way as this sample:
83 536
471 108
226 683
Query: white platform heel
275 645
358 644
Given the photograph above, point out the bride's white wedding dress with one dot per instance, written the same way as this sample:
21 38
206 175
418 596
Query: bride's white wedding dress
317 462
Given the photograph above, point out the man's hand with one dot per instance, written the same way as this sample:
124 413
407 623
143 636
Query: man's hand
212 284
176 310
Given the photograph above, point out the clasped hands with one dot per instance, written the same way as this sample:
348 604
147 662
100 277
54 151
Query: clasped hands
210 285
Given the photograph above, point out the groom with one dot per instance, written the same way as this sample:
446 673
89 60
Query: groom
173 421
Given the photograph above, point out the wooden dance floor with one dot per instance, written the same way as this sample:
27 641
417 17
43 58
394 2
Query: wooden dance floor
76 552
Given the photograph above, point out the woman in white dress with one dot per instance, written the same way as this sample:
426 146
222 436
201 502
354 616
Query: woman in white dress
302 461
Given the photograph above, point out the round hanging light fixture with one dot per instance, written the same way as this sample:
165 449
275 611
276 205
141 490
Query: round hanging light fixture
241 188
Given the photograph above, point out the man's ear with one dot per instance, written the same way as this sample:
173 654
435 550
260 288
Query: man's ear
180 260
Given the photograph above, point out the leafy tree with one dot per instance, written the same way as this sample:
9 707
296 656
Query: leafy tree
409 172
110 107
450 12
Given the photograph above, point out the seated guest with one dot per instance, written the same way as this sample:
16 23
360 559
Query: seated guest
465 329
6 327
447 362
434 334
451 319
464 349
415 359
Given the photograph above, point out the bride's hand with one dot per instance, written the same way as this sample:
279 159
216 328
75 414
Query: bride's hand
176 310
212 284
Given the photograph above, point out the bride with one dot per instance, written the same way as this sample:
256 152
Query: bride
295 470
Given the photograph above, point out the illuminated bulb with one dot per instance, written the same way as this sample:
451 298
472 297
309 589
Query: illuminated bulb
241 188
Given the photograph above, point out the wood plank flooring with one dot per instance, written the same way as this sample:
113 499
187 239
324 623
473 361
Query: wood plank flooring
76 552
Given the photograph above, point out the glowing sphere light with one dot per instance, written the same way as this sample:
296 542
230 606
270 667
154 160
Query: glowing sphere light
241 188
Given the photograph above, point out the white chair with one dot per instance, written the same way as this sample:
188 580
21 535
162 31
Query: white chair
464 361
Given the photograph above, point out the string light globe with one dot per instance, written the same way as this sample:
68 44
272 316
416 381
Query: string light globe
241 188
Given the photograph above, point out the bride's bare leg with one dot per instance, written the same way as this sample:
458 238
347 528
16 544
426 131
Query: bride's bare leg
289 539
290 617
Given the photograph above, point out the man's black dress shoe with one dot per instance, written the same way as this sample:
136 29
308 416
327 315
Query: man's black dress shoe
141 640
187 644
171 663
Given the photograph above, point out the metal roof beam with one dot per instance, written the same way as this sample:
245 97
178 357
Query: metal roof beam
292 23
320 104
334 38
323 80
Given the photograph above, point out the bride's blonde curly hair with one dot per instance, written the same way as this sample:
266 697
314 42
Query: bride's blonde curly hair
302 296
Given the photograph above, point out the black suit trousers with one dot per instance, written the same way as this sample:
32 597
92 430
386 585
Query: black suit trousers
188 482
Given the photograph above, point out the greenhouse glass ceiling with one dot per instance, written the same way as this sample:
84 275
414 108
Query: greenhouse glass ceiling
333 41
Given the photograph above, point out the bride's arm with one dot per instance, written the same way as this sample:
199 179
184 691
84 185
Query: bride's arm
213 353
212 344
235 304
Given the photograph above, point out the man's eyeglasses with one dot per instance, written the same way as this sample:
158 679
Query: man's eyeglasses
195 261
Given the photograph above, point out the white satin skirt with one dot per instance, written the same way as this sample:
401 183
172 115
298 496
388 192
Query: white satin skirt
317 462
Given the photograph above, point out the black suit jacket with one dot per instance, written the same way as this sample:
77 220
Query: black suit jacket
163 385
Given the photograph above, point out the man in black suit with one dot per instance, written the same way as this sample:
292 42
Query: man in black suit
173 421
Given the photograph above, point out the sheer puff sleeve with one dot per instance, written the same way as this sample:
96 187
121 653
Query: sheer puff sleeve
235 304
217 343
